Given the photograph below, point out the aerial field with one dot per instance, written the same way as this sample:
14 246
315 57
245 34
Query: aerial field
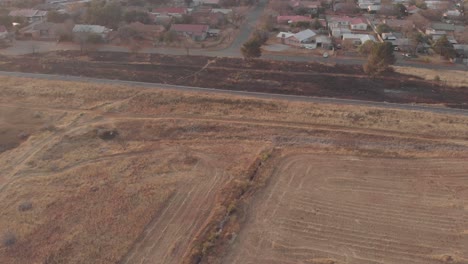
351 209
94 173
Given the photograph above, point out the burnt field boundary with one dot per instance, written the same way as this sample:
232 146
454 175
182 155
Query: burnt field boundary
293 81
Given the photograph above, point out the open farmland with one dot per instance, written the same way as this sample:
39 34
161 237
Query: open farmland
351 209
96 173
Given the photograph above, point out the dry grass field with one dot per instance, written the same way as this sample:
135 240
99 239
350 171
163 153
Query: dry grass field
110 174
450 77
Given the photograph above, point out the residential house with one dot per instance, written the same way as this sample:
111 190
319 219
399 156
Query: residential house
435 4
298 39
223 11
309 7
438 26
195 31
358 39
211 3
373 8
338 21
170 11
44 31
452 13
80 30
364 4
292 19
389 36
398 24
323 41
338 32
358 24
413 9
461 50
31 15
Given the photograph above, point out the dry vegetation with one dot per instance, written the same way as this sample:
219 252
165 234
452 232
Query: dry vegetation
449 77
106 174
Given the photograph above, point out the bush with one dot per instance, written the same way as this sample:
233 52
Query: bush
25 206
380 58
251 49
8 239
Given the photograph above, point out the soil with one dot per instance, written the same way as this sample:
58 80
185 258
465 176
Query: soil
354 209
298 78
115 174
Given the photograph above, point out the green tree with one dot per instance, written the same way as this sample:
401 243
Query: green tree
251 49
105 14
383 28
366 47
380 58
401 9
137 16
444 48
316 24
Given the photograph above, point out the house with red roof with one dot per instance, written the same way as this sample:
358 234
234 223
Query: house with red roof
195 31
358 23
292 19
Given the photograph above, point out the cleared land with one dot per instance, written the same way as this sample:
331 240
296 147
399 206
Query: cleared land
350 209
110 174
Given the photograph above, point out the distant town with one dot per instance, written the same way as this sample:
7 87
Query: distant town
432 31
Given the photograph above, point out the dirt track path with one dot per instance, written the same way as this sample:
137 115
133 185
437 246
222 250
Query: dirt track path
168 238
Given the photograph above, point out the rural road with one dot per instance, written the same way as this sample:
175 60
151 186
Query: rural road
298 98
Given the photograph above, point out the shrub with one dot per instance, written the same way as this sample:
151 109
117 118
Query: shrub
25 206
8 239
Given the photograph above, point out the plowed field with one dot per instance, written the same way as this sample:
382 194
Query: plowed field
94 173
349 209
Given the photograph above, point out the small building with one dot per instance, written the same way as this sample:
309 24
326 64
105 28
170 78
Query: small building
358 24
461 50
388 36
210 3
170 11
358 39
373 8
31 15
398 24
298 39
413 9
338 32
438 26
292 19
44 31
323 41
338 21
81 30
195 31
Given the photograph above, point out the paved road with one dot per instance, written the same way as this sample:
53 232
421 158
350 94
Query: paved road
246 30
324 100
